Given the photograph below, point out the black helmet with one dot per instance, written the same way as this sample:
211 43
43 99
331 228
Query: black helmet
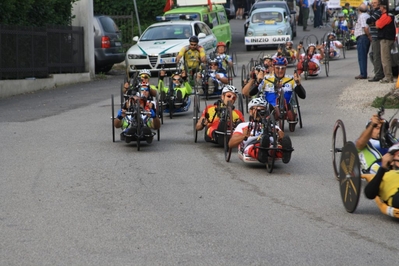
194 39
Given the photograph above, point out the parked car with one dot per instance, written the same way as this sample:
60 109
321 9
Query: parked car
268 26
274 3
160 43
216 19
108 48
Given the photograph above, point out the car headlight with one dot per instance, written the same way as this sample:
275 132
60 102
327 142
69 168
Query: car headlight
250 33
280 32
136 56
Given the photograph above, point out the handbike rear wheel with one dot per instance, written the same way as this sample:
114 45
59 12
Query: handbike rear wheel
338 142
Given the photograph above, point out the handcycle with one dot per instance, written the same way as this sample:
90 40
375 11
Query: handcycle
344 37
267 129
223 112
285 53
134 115
307 40
169 103
347 166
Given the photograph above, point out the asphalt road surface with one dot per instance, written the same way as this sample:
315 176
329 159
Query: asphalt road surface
70 196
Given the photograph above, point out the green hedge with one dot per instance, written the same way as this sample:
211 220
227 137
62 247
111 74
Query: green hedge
36 13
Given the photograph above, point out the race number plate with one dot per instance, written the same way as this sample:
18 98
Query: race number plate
262 40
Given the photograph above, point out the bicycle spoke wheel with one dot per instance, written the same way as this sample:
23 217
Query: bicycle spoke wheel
270 128
230 75
243 76
282 111
235 63
228 130
196 115
338 142
113 117
240 103
138 120
327 66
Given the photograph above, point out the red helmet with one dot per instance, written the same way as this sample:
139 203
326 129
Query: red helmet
221 44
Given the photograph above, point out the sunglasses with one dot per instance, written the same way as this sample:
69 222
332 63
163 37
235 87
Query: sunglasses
231 96
145 89
144 77
193 44
280 67
213 65
176 79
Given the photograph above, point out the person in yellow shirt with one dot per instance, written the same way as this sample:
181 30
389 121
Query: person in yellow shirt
385 183
192 54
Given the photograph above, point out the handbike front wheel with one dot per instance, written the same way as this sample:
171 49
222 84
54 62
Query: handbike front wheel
338 142
196 115
228 130
270 127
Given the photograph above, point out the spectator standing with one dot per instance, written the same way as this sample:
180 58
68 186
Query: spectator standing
317 22
363 39
386 34
305 14
375 14
299 17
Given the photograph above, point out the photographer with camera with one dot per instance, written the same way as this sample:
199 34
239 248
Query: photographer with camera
248 135
385 183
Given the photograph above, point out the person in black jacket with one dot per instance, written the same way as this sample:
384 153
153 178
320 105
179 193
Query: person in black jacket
386 34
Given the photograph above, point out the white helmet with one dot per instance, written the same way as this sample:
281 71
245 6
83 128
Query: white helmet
229 88
394 148
145 72
257 102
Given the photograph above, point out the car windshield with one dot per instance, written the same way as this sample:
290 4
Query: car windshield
267 17
167 32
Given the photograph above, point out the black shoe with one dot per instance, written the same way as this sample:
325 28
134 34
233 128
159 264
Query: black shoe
179 96
286 145
131 132
374 79
262 153
147 132
122 136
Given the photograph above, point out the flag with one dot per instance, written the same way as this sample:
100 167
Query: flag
168 5
210 5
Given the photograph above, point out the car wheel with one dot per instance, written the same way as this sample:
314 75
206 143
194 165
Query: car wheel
248 47
103 69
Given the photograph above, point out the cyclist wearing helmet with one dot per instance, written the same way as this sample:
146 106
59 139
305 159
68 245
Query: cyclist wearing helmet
221 56
193 54
133 87
335 46
271 84
313 57
341 24
210 118
215 78
181 88
248 135
268 63
369 147
288 52
385 183
150 120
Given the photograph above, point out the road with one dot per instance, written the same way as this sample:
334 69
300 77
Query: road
70 196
